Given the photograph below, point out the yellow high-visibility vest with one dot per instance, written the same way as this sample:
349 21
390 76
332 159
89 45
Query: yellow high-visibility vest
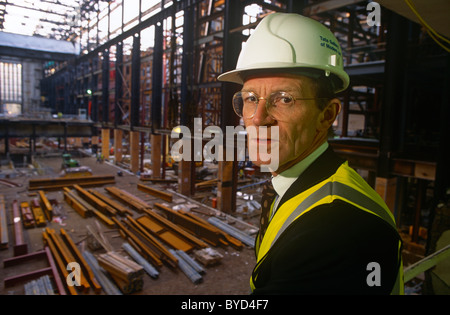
345 185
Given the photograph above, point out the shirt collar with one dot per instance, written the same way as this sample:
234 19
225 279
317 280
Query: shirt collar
284 180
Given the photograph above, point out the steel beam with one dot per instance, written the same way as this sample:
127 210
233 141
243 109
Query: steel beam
136 81
105 86
157 77
155 192
394 96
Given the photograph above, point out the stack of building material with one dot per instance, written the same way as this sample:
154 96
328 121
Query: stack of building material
208 256
94 201
134 202
38 213
46 206
240 235
81 204
187 268
117 206
108 286
80 259
78 204
155 192
169 232
27 215
152 272
144 243
199 227
40 286
65 252
127 274
20 246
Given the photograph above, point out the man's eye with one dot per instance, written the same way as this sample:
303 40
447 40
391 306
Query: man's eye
251 99
283 100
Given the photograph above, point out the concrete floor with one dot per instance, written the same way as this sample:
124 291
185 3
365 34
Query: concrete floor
230 277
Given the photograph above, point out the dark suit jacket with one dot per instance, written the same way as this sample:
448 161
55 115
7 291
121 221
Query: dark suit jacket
328 249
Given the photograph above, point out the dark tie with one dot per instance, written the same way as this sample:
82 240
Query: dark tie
268 195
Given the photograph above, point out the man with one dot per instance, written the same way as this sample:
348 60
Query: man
329 232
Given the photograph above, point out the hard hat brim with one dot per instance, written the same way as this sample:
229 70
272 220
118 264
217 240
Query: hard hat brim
340 78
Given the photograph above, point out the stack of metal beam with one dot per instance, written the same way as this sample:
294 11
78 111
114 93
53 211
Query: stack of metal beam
41 286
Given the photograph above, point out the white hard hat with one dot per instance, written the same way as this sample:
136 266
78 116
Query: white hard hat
289 42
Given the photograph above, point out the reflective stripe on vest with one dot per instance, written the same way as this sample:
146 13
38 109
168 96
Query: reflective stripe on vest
345 185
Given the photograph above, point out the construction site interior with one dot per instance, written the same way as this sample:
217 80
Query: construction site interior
91 106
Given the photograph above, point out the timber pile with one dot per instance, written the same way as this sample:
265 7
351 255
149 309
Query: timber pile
127 274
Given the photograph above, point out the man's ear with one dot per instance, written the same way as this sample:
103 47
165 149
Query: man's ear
329 114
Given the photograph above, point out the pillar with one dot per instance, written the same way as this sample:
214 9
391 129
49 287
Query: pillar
155 140
387 189
118 135
105 143
134 151
226 195
227 184
185 171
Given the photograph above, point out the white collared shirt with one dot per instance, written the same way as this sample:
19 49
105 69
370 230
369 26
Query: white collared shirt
284 180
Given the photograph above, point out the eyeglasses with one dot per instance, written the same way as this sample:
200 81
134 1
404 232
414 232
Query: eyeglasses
277 104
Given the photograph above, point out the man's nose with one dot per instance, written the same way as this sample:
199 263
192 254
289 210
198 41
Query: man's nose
262 117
